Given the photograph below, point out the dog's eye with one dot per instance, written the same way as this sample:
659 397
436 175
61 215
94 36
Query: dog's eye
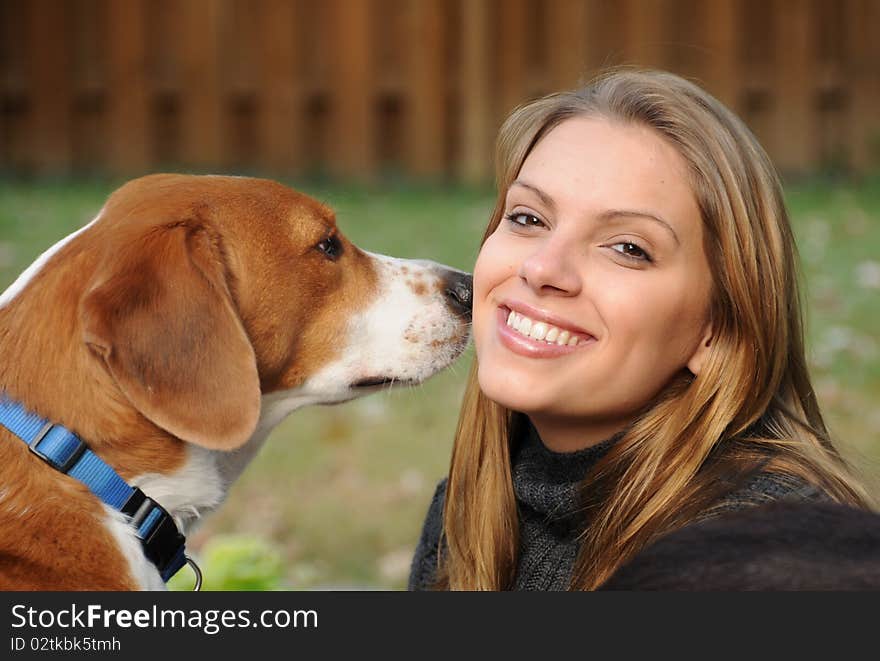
331 247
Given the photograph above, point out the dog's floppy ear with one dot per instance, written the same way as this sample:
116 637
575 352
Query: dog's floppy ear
161 317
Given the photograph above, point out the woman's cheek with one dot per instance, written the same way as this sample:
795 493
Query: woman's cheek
488 270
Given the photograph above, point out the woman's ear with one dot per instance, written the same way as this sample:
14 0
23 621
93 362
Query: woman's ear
695 364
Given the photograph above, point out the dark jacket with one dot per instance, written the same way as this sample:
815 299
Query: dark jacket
546 485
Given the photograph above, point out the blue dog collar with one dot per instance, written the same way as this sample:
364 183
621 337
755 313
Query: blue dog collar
163 543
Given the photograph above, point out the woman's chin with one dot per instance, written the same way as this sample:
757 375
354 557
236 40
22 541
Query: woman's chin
516 396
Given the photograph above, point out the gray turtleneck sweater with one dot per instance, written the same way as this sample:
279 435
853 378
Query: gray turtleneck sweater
546 487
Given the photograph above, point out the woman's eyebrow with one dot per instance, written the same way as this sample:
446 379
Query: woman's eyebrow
611 214
546 199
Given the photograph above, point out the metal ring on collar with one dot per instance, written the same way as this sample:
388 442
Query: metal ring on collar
198 572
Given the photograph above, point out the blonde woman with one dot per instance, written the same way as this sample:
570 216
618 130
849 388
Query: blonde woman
639 346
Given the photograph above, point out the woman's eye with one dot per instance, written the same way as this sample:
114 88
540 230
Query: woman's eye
331 247
524 219
631 251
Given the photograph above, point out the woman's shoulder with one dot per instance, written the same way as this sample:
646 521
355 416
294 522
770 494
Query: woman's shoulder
764 488
780 546
423 570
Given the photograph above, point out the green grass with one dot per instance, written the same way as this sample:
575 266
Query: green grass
838 233
337 496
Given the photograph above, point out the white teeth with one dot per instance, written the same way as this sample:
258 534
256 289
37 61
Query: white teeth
539 330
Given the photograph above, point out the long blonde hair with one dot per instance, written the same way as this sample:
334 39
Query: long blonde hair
752 407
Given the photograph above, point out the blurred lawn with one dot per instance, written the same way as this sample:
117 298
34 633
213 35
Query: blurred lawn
337 497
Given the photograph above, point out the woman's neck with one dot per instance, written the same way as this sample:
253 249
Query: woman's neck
567 435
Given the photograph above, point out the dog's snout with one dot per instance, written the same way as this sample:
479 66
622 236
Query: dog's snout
459 291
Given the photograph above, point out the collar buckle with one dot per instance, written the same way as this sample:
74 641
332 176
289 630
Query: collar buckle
68 463
35 442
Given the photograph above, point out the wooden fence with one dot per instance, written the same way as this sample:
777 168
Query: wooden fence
359 87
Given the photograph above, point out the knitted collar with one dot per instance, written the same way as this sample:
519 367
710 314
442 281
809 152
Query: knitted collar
548 482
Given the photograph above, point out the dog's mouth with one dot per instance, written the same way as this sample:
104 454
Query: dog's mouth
375 381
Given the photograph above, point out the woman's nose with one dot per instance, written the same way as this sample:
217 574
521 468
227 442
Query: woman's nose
550 269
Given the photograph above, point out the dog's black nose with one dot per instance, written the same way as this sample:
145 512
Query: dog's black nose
459 292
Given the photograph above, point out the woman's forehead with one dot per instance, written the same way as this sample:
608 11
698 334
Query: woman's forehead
593 164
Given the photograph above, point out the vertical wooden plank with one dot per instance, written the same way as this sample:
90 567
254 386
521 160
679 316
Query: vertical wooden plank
475 153
164 34
200 90
5 91
426 85
794 147
827 65
48 41
684 41
390 44
719 69
863 17
128 87
13 82
318 19
644 32
756 66
88 139
242 34
13 54
87 21
566 53
513 66
600 37
352 149
606 34
280 119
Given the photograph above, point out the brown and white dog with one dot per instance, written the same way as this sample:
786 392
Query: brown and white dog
171 334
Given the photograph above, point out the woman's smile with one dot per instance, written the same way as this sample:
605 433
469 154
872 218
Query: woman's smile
528 333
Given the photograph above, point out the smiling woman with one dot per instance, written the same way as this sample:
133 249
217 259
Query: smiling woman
631 290
639 346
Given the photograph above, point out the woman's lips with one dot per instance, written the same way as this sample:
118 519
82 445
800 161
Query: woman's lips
530 347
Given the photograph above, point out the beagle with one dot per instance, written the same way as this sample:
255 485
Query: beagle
145 358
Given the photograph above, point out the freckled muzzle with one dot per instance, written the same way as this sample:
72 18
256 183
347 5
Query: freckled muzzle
417 325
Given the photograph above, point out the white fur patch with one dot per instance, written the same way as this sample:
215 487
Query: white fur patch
191 491
408 333
188 493
143 571
31 271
